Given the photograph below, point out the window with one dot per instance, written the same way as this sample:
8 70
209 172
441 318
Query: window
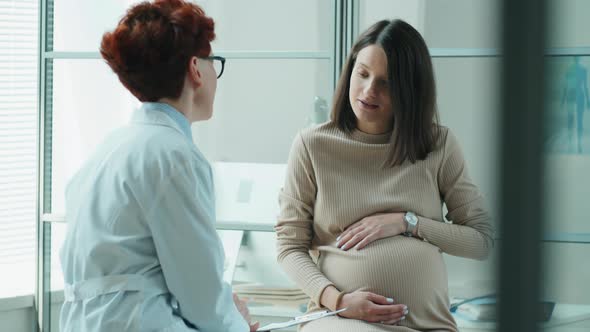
18 139
567 160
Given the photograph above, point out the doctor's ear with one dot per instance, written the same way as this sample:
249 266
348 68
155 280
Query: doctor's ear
194 74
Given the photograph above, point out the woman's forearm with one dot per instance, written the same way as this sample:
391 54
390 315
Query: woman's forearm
300 267
470 241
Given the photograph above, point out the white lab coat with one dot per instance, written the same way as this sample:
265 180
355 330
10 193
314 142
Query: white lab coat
141 251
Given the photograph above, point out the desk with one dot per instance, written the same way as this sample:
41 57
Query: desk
565 318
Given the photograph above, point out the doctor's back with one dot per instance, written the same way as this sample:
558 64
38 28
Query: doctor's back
141 251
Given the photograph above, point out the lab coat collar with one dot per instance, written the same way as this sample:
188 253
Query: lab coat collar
165 115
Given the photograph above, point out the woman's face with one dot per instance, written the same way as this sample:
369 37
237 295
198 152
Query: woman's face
369 91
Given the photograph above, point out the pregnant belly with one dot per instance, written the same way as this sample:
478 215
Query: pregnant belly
407 269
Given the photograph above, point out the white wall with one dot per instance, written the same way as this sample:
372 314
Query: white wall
371 11
442 23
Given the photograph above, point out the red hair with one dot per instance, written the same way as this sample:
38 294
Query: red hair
150 48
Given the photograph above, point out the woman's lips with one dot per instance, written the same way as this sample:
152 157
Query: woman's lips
367 105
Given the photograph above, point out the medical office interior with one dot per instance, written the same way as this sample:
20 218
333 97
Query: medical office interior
58 100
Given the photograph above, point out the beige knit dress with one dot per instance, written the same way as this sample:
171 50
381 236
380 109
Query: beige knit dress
335 179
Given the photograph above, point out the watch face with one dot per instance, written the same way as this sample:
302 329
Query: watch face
411 219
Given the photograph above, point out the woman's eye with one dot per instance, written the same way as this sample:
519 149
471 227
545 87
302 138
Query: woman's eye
363 74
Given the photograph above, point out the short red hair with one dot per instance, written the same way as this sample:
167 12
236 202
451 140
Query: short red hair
150 48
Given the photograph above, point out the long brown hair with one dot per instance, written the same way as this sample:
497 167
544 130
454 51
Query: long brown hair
412 90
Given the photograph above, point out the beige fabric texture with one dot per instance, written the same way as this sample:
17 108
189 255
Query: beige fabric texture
335 179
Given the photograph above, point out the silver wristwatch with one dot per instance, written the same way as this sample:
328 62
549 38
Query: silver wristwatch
411 223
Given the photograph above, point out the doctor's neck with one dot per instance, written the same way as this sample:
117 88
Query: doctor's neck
184 105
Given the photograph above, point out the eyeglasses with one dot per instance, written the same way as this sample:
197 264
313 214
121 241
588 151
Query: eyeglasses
218 64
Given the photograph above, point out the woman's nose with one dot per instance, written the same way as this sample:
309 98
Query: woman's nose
370 89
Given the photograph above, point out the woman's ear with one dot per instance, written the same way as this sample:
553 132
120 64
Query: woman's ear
194 73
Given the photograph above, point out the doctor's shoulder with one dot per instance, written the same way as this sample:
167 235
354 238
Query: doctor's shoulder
163 153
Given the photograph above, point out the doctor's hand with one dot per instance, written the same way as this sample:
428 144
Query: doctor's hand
371 228
243 309
372 308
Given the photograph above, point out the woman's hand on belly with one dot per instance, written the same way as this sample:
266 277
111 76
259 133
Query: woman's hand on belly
372 308
371 228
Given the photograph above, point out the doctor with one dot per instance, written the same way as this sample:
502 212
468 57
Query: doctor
141 251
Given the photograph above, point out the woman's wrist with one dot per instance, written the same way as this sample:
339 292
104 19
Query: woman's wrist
331 297
338 304
399 219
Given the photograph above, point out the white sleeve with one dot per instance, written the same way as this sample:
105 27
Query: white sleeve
190 251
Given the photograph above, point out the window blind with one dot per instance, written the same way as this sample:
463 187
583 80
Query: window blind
19 31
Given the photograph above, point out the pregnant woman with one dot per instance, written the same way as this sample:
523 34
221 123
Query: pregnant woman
361 223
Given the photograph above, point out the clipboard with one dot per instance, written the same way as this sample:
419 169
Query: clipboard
299 320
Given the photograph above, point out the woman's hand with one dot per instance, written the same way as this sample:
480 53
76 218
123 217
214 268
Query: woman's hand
243 309
370 229
372 308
